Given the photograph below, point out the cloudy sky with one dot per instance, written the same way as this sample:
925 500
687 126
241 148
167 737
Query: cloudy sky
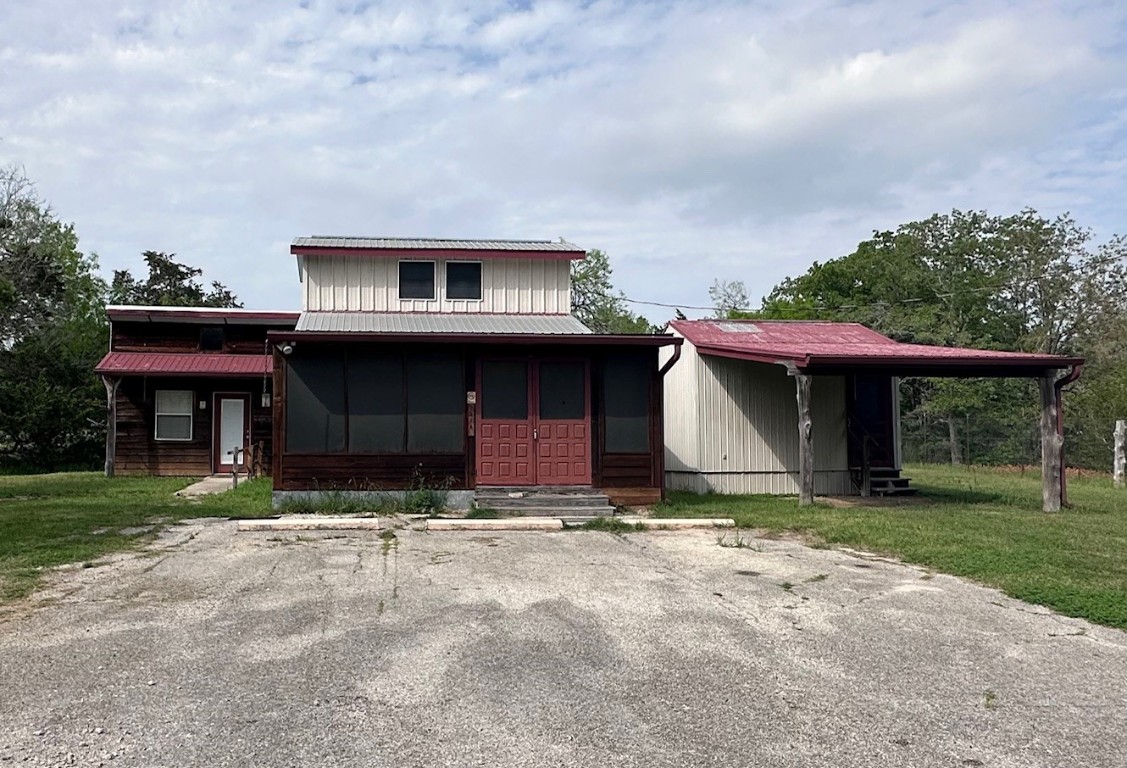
689 140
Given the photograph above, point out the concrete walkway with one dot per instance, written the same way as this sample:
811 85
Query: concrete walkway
209 485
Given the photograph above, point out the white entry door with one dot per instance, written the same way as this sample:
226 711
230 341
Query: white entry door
231 414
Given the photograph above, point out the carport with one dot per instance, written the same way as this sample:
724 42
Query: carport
810 350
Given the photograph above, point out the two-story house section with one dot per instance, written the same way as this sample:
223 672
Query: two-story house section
457 363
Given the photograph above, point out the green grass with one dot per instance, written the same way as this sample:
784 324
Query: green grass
51 520
983 524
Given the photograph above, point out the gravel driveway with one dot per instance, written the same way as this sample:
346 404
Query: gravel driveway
544 649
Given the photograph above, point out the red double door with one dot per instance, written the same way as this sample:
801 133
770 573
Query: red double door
533 422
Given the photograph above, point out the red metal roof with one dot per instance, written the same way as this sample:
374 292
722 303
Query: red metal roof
827 345
172 364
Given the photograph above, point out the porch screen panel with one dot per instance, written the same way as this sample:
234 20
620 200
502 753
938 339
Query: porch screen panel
626 405
315 404
436 397
563 391
504 390
376 403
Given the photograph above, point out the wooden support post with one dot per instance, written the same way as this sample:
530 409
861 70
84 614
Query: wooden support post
111 384
805 441
1120 465
1051 444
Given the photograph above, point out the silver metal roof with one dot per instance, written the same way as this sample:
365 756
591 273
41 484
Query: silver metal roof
418 322
413 243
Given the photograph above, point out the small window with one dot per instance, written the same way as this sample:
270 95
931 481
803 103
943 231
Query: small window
416 280
173 414
463 280
211 339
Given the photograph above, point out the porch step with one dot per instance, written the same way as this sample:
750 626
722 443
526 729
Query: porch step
545 501
885 481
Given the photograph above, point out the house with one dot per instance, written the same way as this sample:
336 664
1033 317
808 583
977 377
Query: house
809 407
186 387
457 363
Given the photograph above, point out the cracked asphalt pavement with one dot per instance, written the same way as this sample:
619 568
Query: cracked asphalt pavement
212 648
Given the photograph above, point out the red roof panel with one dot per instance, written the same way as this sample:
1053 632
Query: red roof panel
171 364
812 344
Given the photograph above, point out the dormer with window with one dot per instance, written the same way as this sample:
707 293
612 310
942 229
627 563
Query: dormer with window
340 274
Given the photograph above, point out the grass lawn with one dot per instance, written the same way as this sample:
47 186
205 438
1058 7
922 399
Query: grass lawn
984 524
76 517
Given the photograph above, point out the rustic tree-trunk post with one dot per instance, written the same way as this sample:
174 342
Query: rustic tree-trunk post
1051 444
111 383
866 468
1120 466
805 441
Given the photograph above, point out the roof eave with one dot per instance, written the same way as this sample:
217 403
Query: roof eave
468 254
577 339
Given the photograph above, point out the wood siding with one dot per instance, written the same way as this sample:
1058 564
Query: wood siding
185 337
366 284
732 427
139 453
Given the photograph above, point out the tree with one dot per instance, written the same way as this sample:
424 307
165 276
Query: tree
595 302
1022 282
729 297
52 333
169 284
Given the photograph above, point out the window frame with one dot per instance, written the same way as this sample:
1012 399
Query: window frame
433 283
480 279
191 414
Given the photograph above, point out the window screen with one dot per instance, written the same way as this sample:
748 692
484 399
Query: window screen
416 279
315 404
463 279
376 403
211 339
562 390
504 390
173 414
435 404
626 400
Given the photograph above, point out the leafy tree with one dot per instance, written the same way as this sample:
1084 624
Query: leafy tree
169 284
52 333
1022 282
595 302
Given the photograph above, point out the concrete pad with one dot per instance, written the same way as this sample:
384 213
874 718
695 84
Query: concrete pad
209 485
671 523
528 650
319 523
501 524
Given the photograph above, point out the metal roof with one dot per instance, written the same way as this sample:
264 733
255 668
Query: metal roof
811 345
419 322
432 243
183 364
201 315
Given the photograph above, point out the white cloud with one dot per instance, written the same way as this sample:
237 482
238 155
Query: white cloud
691 141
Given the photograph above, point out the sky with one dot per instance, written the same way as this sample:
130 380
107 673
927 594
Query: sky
691 141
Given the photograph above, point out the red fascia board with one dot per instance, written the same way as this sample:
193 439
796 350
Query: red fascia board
813 362
578 339
437 253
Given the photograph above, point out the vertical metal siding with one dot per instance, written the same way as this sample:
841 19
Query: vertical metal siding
360 284
745 420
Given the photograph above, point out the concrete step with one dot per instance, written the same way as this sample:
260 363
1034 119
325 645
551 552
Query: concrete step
542 500
564 512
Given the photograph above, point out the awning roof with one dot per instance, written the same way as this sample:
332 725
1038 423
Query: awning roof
184 364
420 322
826 347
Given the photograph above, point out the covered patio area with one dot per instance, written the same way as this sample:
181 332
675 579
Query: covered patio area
813 351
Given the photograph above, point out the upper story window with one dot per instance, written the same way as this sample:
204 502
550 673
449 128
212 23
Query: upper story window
463 280
211 339
416 280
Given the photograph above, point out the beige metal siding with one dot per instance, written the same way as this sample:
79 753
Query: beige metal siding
681 413
747 428
366 284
